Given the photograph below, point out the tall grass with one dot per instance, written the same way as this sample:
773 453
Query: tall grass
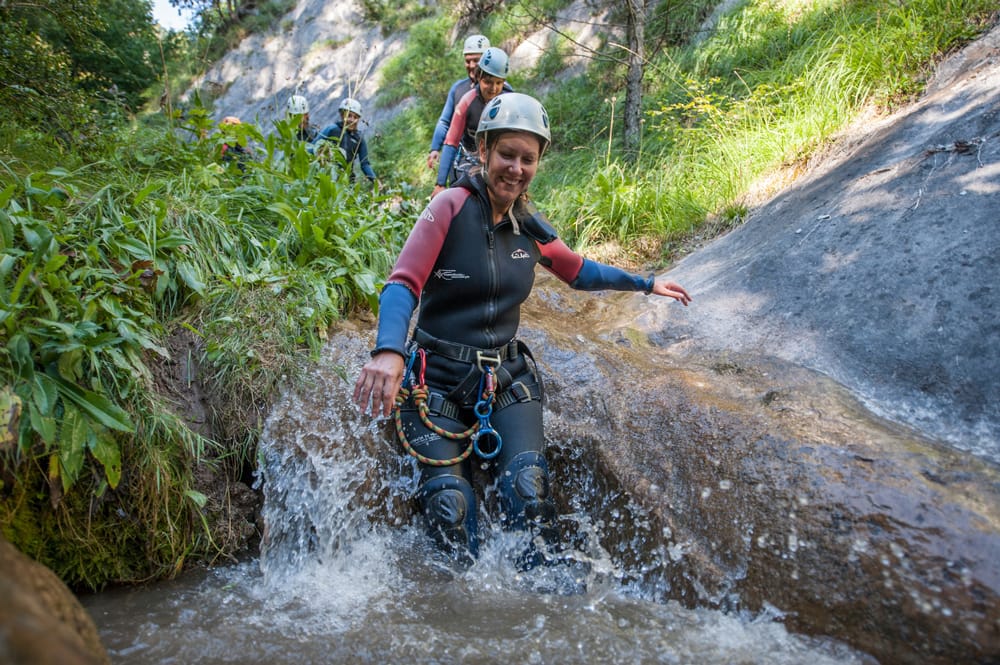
776 80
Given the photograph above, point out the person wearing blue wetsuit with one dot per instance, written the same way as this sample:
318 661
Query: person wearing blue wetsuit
459 154
474 47
469 263
345 135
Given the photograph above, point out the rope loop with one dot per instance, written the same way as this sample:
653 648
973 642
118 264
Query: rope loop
481 429
420 400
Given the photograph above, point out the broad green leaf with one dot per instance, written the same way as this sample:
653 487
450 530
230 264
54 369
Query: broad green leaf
70 364
189 274
7 263
6 194
55 263
96 406
146 191
284 210
44 393
173 240
39 238
44 426
135 247
105 449
50 302
20 356
72 443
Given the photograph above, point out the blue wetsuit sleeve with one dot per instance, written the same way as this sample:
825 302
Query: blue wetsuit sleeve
444 122
594 276
395 307
366 166
448 153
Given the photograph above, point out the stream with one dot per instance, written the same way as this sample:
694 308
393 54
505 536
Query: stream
335 581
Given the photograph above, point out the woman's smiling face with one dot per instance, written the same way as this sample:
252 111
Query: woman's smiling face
511 163
490 86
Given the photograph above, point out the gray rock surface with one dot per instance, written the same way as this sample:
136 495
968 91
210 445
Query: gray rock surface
325 51
880 267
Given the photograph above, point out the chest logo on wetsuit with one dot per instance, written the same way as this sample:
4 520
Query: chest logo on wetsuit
449 274
519 254
427 215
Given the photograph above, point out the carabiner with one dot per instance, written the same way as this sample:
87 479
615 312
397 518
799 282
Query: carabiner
485 430
423 366
409 367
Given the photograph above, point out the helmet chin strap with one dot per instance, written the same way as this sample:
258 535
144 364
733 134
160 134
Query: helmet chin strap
486 161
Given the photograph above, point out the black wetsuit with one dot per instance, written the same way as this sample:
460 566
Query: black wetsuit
471 276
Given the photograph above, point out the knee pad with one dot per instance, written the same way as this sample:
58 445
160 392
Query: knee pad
449 506
524 489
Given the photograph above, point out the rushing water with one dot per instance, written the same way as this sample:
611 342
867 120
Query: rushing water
334 583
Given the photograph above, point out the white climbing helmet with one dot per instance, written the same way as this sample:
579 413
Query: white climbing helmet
351 105
494 62
515 111
475 44
297 105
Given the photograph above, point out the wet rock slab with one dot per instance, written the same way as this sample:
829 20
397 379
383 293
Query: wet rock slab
774 487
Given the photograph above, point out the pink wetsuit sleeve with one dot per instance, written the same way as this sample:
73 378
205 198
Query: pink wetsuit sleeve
415 262
457 126
560 260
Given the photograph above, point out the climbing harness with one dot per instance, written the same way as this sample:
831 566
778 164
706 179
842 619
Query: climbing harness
483 409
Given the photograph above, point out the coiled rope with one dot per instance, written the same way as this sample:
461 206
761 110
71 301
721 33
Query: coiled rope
420 395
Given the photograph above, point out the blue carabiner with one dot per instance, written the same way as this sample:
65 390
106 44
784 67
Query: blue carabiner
409 366
483 410
485 429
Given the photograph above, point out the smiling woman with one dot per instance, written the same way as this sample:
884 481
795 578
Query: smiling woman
470 262
170 17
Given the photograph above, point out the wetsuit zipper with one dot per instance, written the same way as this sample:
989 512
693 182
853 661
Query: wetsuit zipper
494 279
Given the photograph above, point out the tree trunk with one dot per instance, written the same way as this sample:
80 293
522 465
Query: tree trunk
633 81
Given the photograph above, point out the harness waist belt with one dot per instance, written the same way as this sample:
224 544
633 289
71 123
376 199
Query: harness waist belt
463 353
518 392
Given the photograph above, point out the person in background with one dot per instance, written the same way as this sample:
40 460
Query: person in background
460 143
298 106
466 391
344 134
473 48
232 150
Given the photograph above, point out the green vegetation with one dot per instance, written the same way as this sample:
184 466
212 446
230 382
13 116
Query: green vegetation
775 81
134 256
103 265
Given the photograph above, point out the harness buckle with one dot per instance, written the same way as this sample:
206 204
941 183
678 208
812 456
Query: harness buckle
484 360
520 391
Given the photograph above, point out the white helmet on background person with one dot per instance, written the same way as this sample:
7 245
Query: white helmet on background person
351 105
494 62
515 111
297 105
475 44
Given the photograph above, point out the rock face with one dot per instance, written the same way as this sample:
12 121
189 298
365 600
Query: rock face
41 621
326 51
879 268
773 487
